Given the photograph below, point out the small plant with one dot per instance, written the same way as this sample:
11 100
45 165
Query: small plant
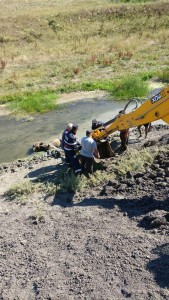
76 70
163 75
50 188
3 63
72 183
126 55
39 215
98 177
20 191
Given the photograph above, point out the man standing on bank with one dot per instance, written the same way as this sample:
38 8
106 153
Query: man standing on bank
68 128
88 152
71 146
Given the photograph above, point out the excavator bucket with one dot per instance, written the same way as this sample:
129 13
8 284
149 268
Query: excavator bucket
105 149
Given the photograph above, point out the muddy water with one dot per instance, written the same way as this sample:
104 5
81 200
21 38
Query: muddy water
17 137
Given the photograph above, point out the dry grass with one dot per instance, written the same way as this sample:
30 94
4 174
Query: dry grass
49 44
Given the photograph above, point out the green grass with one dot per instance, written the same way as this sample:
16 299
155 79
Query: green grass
45 100
132 86
31 102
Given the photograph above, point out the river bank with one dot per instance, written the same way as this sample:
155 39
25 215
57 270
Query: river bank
109 241
64 99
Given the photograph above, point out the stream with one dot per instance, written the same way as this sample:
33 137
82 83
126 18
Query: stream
17 137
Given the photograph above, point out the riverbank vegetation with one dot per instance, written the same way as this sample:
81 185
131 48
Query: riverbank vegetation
133 161
63 47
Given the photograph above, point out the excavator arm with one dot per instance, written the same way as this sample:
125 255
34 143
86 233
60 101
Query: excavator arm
151 110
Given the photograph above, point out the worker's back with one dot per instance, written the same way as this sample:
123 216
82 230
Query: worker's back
88 146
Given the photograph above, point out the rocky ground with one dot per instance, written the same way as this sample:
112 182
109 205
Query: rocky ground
110 242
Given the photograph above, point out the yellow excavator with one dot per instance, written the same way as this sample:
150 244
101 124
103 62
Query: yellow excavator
154 109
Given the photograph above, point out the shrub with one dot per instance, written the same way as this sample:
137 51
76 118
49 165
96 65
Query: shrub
129 87
135 161
163 75
72 183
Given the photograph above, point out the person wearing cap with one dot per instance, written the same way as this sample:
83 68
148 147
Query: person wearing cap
71 145
88 151
68 128
96 124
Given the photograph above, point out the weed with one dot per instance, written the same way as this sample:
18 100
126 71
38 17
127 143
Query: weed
21 191
135 161
98 177
50 188
163 75
72 183
2 64
39 214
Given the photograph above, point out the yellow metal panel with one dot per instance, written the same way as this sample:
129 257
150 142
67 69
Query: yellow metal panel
153 109
166 119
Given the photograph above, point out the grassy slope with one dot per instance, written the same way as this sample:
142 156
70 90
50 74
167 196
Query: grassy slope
50 44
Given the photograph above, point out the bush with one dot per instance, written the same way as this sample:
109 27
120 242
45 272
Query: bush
132 86
32 102
163 75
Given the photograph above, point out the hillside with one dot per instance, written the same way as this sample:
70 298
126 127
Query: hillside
67 237
55 44
107 241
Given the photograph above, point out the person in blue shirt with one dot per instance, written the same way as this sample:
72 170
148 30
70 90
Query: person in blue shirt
68 128
71 147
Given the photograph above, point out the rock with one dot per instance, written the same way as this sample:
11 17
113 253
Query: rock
129 174
139 180
151 175
158 179
158 222
122 187
167 179
138 175
107 190
160 174
113 183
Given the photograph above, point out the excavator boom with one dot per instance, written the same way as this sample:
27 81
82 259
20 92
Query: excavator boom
151 110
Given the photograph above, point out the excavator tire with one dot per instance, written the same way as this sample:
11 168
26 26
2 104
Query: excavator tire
105 149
